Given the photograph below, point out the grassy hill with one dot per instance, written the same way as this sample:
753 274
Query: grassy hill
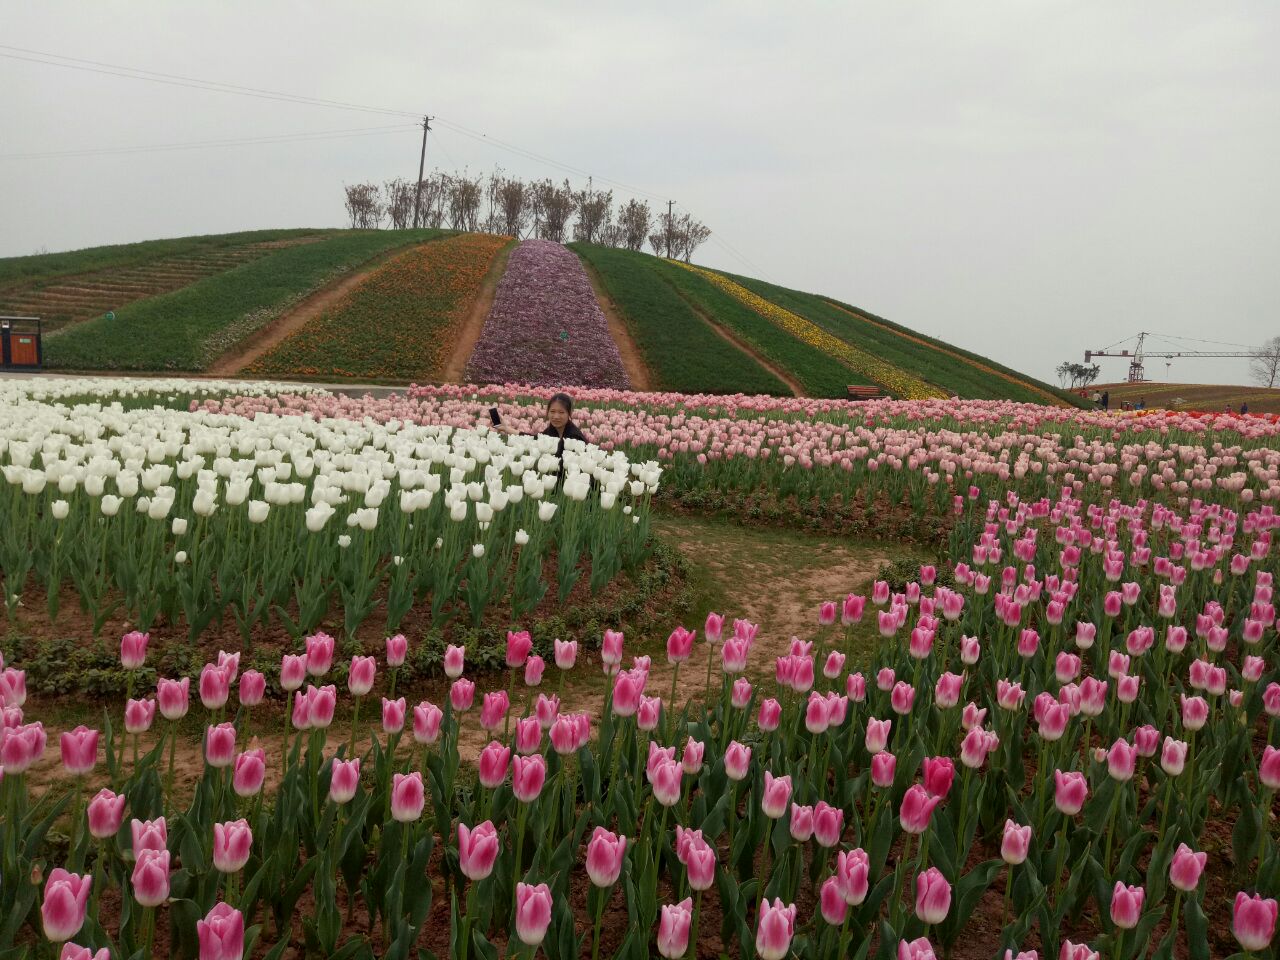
198 303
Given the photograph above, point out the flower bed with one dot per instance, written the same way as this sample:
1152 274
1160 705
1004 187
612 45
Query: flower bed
546 326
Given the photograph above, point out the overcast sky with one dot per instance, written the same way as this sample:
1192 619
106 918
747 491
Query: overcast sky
1025 179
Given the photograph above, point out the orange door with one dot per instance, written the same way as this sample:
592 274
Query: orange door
23 349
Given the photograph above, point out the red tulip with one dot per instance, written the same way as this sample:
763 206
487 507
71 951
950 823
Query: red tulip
221 934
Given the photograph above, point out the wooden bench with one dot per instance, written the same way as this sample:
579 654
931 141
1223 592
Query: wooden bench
864 393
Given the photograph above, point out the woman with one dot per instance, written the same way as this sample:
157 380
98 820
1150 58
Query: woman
559 423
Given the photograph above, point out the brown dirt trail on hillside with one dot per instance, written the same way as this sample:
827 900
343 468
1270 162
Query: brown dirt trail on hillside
469 333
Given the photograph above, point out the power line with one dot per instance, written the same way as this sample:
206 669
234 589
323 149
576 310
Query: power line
214 86
201 144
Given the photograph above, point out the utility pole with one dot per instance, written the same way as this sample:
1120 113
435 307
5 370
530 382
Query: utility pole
670 203
422 159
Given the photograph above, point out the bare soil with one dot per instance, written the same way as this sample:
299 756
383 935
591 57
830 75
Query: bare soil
465 340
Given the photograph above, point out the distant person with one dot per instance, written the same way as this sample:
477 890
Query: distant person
1106 399
1142 403
1096 397
1244 408
559 423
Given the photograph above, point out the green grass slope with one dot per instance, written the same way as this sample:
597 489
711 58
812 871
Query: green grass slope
188 329
681 350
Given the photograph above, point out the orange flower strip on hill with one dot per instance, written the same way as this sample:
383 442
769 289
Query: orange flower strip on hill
1049 397
398 324
898 381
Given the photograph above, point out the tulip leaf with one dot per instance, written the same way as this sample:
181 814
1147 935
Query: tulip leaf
1197 929
714 822
1245 834
968 892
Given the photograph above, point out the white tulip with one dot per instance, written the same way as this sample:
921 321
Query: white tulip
458 512
127 484
67 483
258 511
179 526
180 557
607 500
318 516
344 541
60 509
110 505
367 518
94 484
521 538
484 512
158 508
204 503
33 481
477 550
547 510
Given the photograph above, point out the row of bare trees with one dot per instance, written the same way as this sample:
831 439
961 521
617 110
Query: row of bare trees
507 205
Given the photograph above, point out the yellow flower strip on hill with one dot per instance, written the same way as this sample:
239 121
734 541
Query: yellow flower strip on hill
894 379
399 324
1049 397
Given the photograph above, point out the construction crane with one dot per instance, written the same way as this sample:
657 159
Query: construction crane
1138 355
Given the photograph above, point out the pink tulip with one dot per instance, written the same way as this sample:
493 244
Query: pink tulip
494 710
673 928
253 687
455 660
133 649
534 667
426 722
173 698
740 693
777 794
770 715
106 813
1186 868
815 716
733 655
853 870
1015 844
79 751
71 951
344 779
1070 791
933 896
293 672
737 761
611 648
917 949
319 654
885 679
566 653
828 824
361 675
493 763
533 912
852 609
528 774
649 713
1126 905
628 687
713 629
546 709
1077 951
903 698
564 735
832 903
946 693
691 761
827 613
221 934
917 809
397 650
477 850
1146 740
700 864
1195 712
66 897
605 854
528 736
973 716
801 823
248 773
855 687
1252 669
775 926
323 703
138 715
884 767
1127 687
149 835
215 687
1269 768
1122 760
1254 921
666 780
1173 757
220 745
680 645
975 747
519 645
939 773
877 736
461 695
232 844
407 796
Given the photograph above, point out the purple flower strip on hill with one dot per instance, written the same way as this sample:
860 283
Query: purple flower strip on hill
545 327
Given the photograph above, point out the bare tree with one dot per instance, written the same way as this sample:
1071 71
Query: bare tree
1265 365
595 210
611 235
633 223
659 242
364 205
508 205
399 194
464 196
689 234
554 206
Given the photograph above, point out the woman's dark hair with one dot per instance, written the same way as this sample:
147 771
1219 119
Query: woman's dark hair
564 400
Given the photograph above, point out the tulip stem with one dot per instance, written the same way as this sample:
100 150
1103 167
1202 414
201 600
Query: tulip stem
595 937
355 725
697 915
1111 832
675 677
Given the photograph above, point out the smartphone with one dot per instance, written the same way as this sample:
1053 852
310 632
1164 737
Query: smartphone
493 415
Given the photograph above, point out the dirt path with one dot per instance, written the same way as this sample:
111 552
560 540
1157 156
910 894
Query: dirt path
465 341
263 340
632 361
791 383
